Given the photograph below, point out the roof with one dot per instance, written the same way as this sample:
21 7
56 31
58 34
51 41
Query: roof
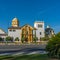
48 29
3 34
39 22
14 27
2 31
28 25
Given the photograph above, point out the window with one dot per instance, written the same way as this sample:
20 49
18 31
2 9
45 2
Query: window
39 26
14 30
40 33
10 30
50 31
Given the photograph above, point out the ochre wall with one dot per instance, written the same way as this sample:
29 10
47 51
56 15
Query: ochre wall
27 33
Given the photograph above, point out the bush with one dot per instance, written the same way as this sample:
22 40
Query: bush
1 39
46 38
22 39
35 39
16 39
9 39
58 53
53 46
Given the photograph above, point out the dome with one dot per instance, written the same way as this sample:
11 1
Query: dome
48 26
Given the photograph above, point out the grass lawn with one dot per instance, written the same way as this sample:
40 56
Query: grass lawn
26 57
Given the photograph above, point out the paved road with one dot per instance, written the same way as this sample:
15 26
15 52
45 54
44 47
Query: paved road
22 49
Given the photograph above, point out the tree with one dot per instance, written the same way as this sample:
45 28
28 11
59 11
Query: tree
16 39
35 39
46 38
8 38
22 39
1 39
53 46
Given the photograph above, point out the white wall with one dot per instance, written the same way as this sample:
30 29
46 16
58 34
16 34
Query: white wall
34 33
2 34
14 34
39 29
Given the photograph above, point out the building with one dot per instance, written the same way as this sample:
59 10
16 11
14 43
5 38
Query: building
3 34
26 31
49 32
39 25
14 31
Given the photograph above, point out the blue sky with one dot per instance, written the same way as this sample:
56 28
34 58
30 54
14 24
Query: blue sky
28 11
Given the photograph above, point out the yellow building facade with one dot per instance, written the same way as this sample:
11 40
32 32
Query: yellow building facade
27 33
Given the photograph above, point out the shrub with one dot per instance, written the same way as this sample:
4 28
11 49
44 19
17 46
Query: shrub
1 39
45 39
16 39
8 38
22 39
35 39
53 46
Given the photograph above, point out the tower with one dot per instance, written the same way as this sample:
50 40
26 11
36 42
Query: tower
15 22
14 31
39 25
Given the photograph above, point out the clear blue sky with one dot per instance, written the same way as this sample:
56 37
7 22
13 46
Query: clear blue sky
28 11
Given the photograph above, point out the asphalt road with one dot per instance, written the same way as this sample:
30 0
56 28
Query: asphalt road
22 49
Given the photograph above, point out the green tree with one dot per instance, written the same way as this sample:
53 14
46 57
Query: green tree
8 38
22 39
35 39
46 38
16 39
53 46
1 39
